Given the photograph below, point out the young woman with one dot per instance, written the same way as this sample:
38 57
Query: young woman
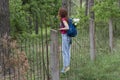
63 15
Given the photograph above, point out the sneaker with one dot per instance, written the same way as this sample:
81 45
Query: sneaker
64 70
67 69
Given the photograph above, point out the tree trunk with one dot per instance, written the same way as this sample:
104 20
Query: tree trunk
86 11
4 17
110 34
4 31
92 32
36 24
69 8
65 4
119 3
80 3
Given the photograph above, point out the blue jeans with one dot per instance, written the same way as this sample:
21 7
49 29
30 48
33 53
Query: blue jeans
66 50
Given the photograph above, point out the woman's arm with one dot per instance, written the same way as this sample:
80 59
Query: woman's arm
66 26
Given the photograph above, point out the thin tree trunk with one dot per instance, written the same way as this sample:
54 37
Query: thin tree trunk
36 25
119 3
4 31
92 32
65 4
69 8
86 11
30 25
4 17
110 34
80 3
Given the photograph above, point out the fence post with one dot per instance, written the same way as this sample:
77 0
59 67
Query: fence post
54 55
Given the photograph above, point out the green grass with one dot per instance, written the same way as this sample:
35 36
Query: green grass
105 67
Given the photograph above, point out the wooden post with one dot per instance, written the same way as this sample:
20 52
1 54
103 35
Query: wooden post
111 34
54 55
92 32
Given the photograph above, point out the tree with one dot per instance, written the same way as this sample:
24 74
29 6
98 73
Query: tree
4 17
119 3
70 7
80 3
4 30
92 32
106 11
87 7
65 4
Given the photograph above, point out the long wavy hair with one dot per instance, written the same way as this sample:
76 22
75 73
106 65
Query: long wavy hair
63 13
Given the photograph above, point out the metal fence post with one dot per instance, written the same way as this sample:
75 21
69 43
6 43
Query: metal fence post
54 55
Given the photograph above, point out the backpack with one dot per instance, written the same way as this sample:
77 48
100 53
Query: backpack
72 32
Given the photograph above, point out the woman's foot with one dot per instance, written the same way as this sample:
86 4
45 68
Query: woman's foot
64 70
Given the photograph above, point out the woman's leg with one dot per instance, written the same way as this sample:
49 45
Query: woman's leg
66 50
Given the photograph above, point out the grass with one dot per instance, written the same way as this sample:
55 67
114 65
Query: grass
106 67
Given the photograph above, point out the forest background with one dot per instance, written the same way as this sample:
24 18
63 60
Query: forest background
25 22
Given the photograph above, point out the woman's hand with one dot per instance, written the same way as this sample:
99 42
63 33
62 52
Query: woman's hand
60 29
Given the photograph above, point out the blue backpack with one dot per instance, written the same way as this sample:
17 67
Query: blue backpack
72 32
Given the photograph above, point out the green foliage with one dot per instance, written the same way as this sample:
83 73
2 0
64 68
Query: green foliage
105 9
17 17
84 20
24 14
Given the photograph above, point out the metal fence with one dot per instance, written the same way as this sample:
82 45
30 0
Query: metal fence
28 58
24 59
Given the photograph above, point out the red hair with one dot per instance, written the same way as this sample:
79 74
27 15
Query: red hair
63 13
